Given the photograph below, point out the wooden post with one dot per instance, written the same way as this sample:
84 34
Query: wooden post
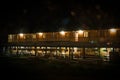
45 51
83 53
72 53
69 53
56 53
99 52
35 51
113 49
10 50
17 50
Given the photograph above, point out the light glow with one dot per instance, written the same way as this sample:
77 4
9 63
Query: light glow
21 34
80 31
63 52
40 34
76 36
112 30
62 32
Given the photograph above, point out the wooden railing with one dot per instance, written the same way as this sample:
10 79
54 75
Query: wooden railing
92 39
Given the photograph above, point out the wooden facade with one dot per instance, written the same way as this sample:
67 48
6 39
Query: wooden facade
74 44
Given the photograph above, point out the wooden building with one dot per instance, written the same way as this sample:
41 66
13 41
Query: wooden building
65 44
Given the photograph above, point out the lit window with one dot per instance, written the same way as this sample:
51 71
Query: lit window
85 34
10 36
76 36
48 47
22 47
63 52
38 47
75 49
34 36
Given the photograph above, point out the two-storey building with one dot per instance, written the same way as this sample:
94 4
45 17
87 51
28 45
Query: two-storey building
65 44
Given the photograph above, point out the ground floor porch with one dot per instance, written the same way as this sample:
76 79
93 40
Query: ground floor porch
62 52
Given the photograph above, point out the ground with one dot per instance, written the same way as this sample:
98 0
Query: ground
39 68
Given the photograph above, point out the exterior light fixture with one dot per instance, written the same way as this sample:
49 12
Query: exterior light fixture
62 32
21 34
80 31
40 34
113 30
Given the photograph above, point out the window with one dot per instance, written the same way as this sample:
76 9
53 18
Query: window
76 36
85 34
10 37
34 36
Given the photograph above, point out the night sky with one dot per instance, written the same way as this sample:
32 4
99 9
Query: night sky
54 15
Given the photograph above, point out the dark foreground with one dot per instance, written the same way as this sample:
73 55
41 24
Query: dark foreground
36 69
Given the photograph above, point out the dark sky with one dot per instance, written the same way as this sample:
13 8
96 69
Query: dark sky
54 15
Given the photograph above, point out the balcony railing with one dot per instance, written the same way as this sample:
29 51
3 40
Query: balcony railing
72 39
92 36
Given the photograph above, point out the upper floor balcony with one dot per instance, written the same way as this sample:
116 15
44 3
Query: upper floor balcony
83 36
